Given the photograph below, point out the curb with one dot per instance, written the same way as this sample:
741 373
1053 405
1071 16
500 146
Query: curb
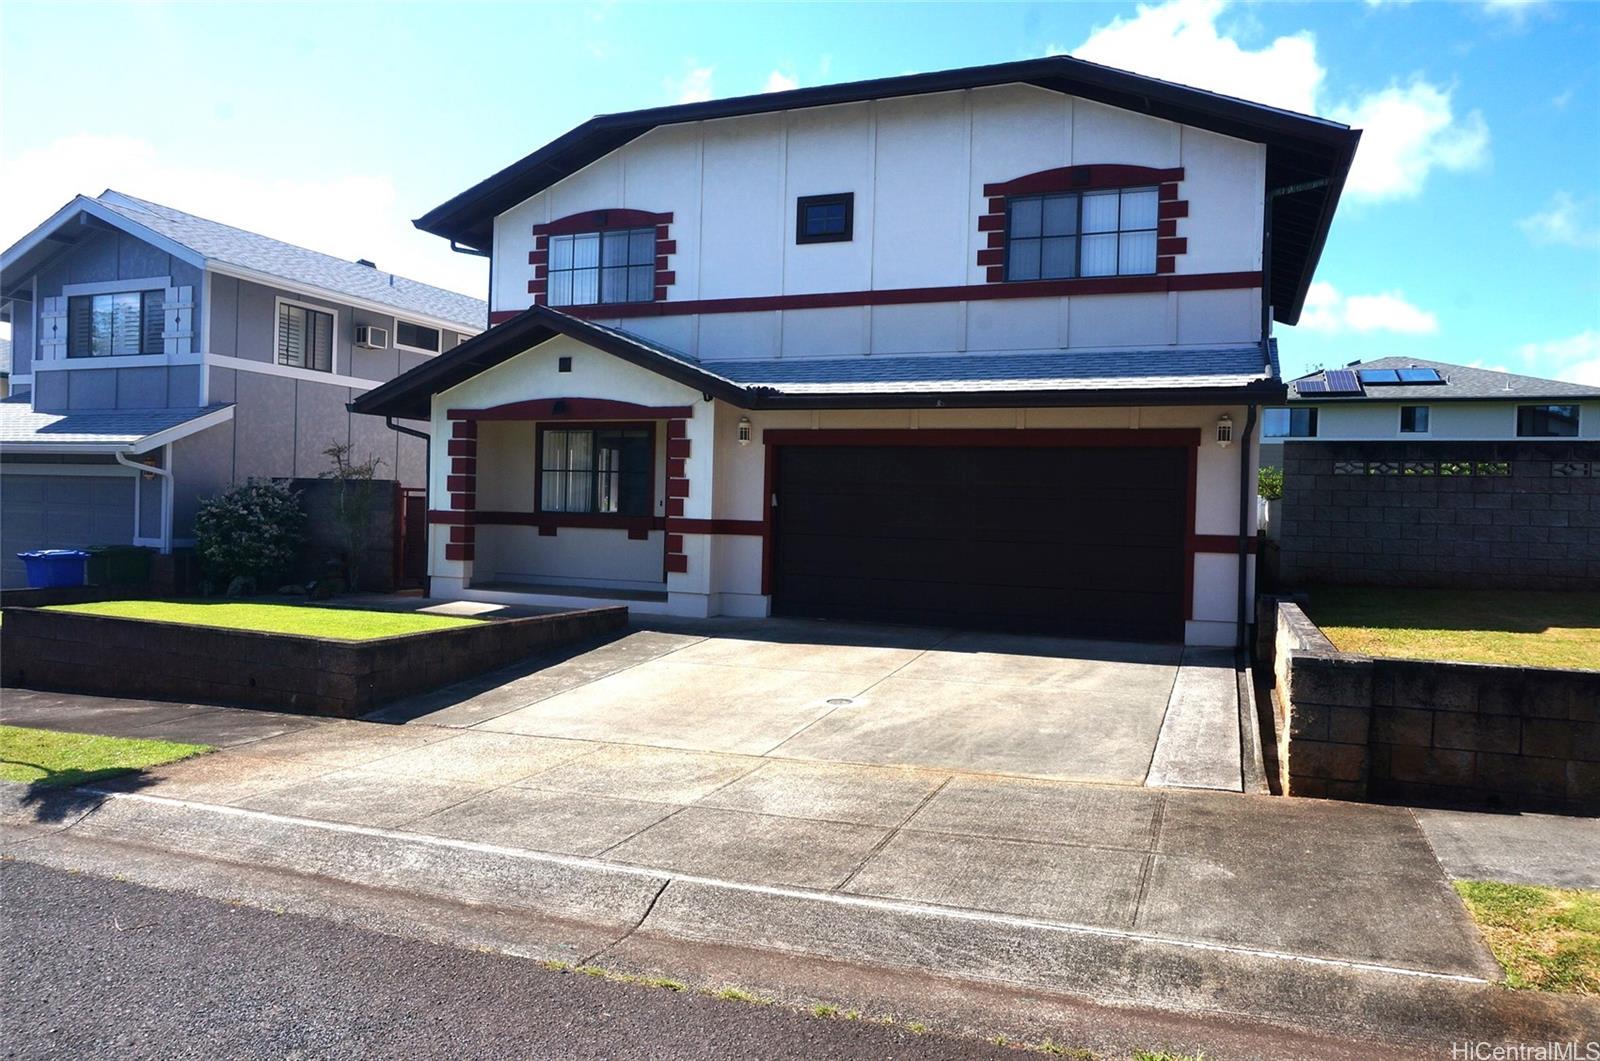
1103 965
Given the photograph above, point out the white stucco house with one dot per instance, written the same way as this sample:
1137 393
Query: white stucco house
984 347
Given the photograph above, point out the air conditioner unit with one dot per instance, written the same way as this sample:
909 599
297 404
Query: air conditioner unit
372 337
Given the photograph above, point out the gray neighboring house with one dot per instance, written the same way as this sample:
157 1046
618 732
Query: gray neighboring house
1402 471
160 357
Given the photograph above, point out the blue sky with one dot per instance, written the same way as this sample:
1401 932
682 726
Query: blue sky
1470 232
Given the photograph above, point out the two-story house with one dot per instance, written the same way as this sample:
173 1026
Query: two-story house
983 347
159 357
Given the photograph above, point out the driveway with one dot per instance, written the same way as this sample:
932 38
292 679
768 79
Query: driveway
830 692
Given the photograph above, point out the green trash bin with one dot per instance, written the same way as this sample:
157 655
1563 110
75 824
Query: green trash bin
117 565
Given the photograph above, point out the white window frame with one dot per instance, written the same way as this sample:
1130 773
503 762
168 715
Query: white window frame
277 317
1400 421
398 345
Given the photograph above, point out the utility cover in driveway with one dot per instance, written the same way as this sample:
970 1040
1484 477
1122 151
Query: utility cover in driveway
1082 540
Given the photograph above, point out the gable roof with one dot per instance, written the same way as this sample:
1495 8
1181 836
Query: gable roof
1461 383
1307 157
210 243
1066 377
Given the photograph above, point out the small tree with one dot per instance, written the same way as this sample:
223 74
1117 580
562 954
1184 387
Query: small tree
253 530
358 497
1269 483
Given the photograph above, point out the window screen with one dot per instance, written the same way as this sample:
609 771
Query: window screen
305 337
592 267
1055 237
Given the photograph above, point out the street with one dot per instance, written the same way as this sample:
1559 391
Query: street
102 968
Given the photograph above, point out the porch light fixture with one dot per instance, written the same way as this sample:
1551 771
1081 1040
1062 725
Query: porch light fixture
1224 430
744 430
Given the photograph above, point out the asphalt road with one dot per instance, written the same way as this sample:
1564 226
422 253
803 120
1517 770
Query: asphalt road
96 967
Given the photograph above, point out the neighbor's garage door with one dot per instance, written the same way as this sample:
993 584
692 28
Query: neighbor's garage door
1084 541
61 512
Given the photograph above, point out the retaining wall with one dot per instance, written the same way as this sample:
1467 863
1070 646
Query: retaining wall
102 655
1430 732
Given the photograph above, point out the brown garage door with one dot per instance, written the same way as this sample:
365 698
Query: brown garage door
1084 540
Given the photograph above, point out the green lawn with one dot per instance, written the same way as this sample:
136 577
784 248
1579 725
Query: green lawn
347 624
1533 628
47 758
1545 938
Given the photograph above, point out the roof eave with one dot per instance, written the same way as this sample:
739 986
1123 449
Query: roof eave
1264 392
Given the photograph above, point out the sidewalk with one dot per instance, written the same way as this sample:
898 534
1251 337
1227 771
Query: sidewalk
1162 897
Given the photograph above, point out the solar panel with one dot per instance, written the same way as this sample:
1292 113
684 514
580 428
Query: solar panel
1342 381
1419 375
1379 375
1311 386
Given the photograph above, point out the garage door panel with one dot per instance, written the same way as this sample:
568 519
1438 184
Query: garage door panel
1067 539
61 512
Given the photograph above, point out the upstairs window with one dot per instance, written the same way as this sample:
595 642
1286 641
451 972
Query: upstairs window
116 325
416 337
1547 421
305 337
602 470
587 268
824 218
1099 233
1289 423
1413 419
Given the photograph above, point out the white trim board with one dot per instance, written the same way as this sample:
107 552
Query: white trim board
171 434
117 361
118 287
239 272
309 375
66 469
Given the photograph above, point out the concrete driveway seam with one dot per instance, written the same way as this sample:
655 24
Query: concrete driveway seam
1156 817
892 833
842 899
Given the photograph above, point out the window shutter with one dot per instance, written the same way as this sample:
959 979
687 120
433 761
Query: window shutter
176 320
52 328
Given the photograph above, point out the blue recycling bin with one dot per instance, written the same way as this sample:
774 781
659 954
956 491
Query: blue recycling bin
49 568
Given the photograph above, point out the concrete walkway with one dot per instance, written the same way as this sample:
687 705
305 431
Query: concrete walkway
1262 873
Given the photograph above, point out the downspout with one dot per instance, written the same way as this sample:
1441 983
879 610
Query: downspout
1246 496
166 495
427 455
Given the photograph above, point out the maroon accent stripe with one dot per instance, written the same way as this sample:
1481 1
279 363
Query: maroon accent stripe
991 222
500 316
462 447
675 469
1166 193
1072 178
677 488
674 542
666 279
463 429
635 534
990 256
954 436
995 274
1173 208
464 501
749 527
677 563
678 448
1189 535
997 240
547 530
903 296
462 535
997 205
1214 543
1172 245
1166 228
1166 266
574 409
460 483
674 507
463 465
457 552
677 428
449 518
666 246
585 520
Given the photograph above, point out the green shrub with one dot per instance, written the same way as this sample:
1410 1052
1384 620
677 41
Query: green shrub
1269 483
252 531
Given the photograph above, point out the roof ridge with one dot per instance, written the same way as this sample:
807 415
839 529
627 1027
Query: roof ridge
144 205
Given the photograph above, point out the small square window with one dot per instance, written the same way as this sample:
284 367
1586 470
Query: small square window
563 364
1413 419
824 218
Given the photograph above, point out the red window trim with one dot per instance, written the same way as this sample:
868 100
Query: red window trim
607 220
1099 177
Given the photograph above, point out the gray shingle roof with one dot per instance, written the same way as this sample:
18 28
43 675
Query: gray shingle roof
1049 371
250 250
21 425
1461 383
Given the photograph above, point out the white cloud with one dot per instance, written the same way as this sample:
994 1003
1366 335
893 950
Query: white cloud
1409 129
347 214
1516 11
778 81
694 86
1565 220
1328 310
1575 359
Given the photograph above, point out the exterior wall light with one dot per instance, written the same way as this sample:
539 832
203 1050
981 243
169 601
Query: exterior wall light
1224 430
744 430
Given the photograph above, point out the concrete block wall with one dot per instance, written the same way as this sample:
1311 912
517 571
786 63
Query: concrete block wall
1432 732
1515 515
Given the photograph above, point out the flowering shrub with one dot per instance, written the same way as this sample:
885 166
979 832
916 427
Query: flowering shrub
251 531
